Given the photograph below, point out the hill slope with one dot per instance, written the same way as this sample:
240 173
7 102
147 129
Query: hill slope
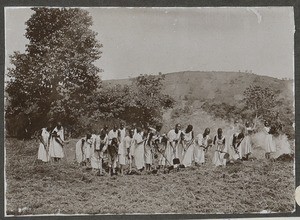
225 87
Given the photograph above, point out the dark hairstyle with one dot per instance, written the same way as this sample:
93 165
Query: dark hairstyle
240 135
219 131
189 128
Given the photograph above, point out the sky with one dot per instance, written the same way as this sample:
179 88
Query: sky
152 40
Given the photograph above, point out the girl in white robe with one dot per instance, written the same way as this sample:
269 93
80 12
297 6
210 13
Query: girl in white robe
221 153
56 143
148 150
128 145
139 150
122 148
188 144
83 148
112 157
268 143
101 143
201 146
247 142
43 153
173 140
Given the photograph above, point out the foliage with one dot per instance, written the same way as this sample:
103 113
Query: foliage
141 103
260 103
56 73
259 99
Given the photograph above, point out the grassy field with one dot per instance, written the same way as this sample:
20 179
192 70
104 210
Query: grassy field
66 188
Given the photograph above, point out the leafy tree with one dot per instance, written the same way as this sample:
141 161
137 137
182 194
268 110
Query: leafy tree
147 101
55 74
260 100
141 102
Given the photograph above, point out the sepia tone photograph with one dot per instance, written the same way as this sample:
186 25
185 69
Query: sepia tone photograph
118 110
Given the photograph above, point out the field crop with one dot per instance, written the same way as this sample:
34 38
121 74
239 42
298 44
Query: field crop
66 188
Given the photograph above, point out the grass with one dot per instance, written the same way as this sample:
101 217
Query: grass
67 188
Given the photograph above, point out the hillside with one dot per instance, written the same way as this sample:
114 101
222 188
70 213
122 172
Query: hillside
225 87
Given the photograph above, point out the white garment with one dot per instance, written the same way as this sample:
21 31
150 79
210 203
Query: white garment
269 143
43 153
55 148
112 134
173 140
220 151
187 157
139 151
199 150
97 151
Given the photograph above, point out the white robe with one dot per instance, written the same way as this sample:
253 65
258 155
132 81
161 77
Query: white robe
55 148
220 151
122 148
187 157
269 143
43 153
199 150
97 154
139 151
82 150
171 151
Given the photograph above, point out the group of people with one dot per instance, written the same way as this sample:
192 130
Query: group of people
147 149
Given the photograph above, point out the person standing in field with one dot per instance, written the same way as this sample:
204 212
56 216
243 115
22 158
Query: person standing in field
161 149
105 129
201 146
173 139
113 148
57 142
149 135
268 142
98 149
139 150
188 146
129 147
122 151
43 152
221 153
247 145
82 149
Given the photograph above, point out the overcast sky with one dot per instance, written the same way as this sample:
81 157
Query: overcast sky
151 40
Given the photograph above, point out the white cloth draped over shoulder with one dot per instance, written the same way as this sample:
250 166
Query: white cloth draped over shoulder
200 146
188 152
112 134
246 147
269 143
83 149
56 148
220 151
173 139
97 151
43 153
139 151
122 147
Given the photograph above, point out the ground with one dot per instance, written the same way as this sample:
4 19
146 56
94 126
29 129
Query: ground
67 188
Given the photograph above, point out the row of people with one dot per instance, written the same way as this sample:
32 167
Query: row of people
146 148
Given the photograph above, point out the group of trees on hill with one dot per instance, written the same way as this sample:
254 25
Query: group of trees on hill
55 79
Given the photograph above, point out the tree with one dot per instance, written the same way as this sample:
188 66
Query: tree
259 100
55 74
147 101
